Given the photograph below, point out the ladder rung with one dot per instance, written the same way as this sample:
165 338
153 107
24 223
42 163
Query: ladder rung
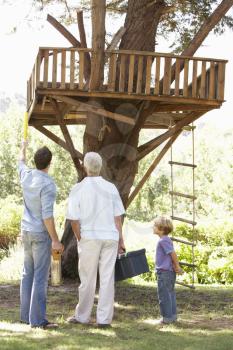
182 241
184 220
189 127
179 194
187 264
185 285
183 164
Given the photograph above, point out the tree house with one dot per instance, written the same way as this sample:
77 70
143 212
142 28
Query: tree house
175 91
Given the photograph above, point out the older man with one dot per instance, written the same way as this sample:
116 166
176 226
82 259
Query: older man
95 210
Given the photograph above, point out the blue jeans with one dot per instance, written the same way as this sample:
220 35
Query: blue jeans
34 282
167 295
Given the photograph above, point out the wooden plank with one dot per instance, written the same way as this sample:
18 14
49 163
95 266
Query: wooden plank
97 110
184 195
157 76
221 81
72 69
131 73
38 64
139 75
63 69
33 81
162 54
177 78
167 76
46 68
182 164
194 79
186 76
54 71
51 122
148 74
212 81
122 73
28 95
168 99
112 72
203 80
191 222
182 241
81 70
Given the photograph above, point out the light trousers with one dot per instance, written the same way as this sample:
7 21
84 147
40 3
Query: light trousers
94 255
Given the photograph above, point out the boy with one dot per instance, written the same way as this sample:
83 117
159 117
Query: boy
167 266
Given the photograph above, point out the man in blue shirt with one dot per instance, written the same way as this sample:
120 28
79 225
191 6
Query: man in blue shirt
38 235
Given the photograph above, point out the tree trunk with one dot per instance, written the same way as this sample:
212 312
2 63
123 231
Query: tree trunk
107 136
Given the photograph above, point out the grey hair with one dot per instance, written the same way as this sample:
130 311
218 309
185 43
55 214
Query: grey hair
93 163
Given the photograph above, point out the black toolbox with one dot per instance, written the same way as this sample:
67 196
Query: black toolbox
131 264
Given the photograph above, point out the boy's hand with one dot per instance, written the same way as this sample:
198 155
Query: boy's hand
178 269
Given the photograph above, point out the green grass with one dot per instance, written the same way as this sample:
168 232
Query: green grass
205 322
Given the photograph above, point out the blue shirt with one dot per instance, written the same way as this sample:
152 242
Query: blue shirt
163 258
39 194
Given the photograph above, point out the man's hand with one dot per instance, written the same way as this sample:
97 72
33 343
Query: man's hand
121 246
22 154
56 245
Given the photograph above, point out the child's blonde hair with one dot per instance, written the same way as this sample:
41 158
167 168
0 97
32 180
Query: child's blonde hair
164 224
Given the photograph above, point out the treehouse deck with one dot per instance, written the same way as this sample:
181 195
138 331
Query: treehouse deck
179 87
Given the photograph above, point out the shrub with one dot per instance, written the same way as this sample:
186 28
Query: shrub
10 214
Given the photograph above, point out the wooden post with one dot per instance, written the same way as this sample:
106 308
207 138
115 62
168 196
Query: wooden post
98 43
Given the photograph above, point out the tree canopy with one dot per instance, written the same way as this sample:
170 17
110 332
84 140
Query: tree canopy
180 19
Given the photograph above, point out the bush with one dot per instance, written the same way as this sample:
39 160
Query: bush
10 214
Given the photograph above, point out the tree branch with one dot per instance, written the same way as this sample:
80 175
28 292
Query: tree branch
151 145
63 31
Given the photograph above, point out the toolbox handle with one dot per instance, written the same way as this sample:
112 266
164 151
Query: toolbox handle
122 255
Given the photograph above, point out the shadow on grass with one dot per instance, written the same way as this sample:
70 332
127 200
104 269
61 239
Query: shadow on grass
205 321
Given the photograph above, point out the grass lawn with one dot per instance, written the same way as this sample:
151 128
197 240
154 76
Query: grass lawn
205 322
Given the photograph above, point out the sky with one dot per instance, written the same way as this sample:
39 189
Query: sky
19 50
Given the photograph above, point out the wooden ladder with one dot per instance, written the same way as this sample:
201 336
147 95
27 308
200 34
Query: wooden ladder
191 196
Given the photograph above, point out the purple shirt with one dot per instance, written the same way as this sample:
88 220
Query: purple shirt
163 260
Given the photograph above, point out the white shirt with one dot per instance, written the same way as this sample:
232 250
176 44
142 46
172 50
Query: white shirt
95 202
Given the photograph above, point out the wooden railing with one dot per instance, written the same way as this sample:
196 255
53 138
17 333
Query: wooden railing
131 72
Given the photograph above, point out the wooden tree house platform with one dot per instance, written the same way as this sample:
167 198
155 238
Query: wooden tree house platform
59 73
174 91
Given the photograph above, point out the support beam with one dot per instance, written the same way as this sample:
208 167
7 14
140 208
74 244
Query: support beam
56 139
152 167
96 110
63 31
67 137
82 34
151 145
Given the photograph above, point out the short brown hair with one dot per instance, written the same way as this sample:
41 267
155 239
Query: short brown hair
42 158
164 224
